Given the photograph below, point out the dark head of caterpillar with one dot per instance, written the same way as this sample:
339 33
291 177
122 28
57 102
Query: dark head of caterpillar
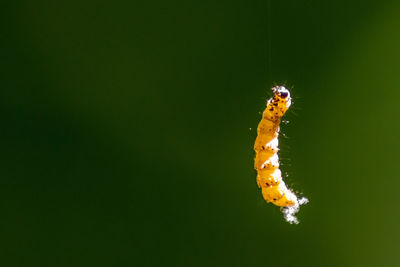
281 92
281 99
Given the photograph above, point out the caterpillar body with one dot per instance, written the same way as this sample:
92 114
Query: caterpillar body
266 162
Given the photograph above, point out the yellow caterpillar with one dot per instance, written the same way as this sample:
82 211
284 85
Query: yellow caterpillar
266 162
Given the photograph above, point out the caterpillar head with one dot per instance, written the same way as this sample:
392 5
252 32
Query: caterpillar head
281 92
281 99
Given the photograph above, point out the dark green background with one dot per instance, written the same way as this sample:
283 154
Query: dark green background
125 132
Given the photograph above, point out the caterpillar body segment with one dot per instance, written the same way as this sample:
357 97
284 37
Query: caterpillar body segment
266 162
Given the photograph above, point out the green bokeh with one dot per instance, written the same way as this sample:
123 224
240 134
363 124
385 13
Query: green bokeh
127 132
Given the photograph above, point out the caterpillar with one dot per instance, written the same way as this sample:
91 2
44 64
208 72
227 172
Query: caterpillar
266 162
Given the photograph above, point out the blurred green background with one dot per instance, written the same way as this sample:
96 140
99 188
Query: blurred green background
126 136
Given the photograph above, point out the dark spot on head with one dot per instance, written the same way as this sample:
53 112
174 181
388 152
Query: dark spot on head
271 109
274 199
284 94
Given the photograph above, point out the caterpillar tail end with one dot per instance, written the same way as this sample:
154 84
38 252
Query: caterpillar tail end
290 211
